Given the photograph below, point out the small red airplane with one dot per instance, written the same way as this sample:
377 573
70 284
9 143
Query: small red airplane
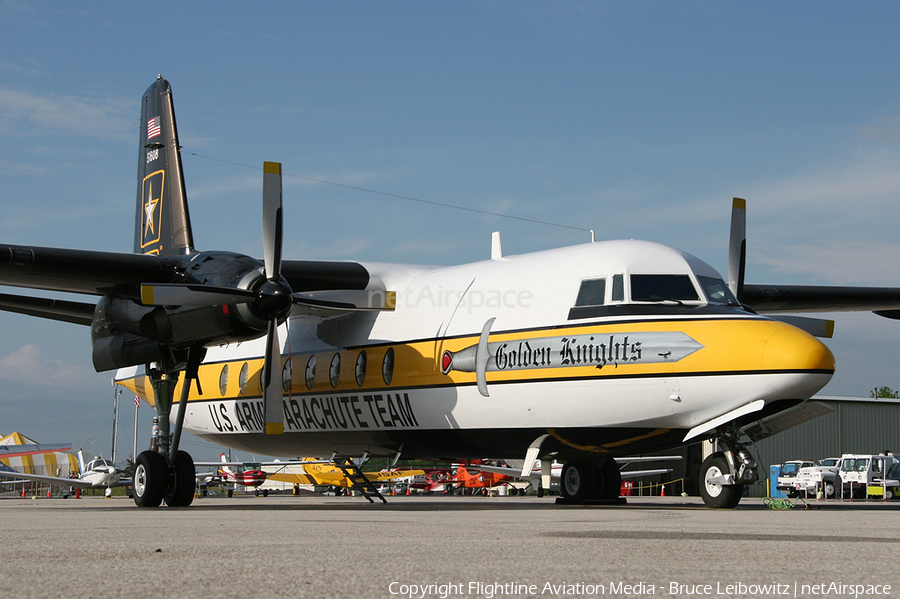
226 476
479 479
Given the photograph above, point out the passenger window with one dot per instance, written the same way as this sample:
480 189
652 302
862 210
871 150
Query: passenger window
591 293
618 288
659 288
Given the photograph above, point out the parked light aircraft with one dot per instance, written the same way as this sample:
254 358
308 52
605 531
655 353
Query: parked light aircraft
579 354
311 471
96 473
246 477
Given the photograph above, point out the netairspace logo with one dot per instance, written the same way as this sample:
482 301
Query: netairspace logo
465 300
491 590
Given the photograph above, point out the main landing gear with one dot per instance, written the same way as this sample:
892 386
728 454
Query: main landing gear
590 479
167 474
726 471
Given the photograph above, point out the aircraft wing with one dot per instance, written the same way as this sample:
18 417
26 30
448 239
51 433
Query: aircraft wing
122 274
766 299
11 451
55 480
82 271
392 474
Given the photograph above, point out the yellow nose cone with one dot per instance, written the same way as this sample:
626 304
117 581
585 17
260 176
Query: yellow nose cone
791 349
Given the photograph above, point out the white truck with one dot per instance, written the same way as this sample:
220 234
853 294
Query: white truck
788 476
811 480
858 473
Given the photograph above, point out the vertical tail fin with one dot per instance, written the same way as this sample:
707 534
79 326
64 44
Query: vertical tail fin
163 224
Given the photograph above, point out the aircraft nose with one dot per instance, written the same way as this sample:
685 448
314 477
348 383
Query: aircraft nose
790 348
800 364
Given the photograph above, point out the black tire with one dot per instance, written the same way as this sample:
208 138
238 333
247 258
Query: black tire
150 473
609 482
180 481
578 481
716 495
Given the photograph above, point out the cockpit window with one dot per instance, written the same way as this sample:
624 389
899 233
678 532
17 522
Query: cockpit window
660 288
591 293
717 292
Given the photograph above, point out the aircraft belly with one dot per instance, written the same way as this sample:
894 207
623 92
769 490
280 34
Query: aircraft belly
633 413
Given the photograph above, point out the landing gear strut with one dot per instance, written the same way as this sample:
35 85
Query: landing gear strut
590 479
167 473
726 471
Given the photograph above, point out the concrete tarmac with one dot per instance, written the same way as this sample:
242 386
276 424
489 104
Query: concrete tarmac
486 547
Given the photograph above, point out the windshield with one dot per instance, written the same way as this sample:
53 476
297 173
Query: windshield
717 292
660 288
894 472
830 462
855 465
790 469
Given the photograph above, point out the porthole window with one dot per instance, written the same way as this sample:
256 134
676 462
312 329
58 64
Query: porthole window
286 376
223 380
361 368
334 373
311 372
387 366
243 378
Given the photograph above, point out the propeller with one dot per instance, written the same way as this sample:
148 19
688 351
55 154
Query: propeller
275 296
737 247
271 300
737 258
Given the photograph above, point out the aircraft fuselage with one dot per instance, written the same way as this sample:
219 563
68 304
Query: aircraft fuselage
605 372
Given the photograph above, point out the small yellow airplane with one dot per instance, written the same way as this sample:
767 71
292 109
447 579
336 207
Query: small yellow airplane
312 471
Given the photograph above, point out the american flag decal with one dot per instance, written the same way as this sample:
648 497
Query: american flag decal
153 128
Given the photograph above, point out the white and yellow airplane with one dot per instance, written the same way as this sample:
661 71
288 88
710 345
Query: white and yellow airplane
95 473
580 354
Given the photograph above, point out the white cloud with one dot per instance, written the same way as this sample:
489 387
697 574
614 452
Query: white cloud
840 262
99 118
28 365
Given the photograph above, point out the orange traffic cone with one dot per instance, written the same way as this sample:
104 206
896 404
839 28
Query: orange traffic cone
407 491
77 492
48 493
662 493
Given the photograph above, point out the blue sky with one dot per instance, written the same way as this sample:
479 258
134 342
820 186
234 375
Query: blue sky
638 120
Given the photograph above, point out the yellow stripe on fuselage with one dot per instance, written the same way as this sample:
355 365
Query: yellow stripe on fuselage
728 346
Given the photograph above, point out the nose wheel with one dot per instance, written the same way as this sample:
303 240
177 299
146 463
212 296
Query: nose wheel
714 490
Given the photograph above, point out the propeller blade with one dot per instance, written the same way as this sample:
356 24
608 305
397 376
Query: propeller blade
271 383
737 247
272 219
162 294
